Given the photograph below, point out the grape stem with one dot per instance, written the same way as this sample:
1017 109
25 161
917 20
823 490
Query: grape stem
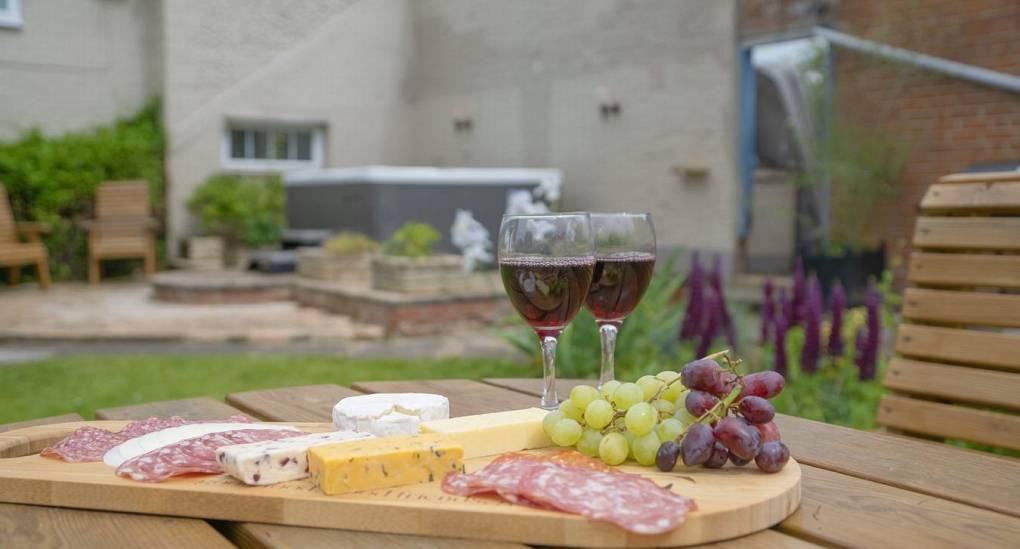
717 412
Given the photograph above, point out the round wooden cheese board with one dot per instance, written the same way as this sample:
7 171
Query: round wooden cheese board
732 502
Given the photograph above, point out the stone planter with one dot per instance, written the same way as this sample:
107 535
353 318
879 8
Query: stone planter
205 253
318 264
441 273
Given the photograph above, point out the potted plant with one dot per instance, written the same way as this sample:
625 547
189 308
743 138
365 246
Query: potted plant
347 258
408 265
245 211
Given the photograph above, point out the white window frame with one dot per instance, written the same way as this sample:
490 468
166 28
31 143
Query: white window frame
259 165
11 16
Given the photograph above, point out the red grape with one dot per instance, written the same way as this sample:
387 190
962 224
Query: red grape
739 436
769 431
665 458
772 457
696 447
762 384
756 409
699 402
738 461
718 457
702 375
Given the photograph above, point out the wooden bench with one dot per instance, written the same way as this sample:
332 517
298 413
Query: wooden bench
957 373
123 226
14 254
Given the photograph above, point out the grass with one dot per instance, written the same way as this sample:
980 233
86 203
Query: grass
85 383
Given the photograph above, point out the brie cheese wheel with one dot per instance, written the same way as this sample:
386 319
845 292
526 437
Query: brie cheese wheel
263 463
389 414
146 443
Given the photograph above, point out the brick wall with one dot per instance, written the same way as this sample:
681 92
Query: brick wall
947 123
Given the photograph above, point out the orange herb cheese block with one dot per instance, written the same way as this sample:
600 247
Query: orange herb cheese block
383 462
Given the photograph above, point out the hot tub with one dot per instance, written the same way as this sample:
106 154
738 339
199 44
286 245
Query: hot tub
377 200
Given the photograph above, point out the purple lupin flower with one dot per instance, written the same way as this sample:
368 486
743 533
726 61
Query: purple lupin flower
694 315
860 350
812 320
768 310
713 318
779 341
785 305
872 301
725 320
837 306
799 294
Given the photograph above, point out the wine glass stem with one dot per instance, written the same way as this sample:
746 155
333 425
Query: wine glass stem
550 400
607 333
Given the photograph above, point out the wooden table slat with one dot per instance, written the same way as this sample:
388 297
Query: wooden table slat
838 509
188 408
467 397
306 403
975 478
41 421
270 536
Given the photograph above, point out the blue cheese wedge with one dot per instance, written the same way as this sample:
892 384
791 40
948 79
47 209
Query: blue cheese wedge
263 463
389 414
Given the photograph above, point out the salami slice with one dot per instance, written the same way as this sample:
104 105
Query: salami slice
92 443
194 455
573 483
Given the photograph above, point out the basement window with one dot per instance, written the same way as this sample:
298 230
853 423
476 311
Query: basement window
10 14
267 147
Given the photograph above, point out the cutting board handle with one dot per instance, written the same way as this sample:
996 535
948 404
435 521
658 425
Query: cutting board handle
31 440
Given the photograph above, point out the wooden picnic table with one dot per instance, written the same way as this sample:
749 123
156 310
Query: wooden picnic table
860 489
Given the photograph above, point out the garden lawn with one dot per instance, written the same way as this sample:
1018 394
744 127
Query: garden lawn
85 383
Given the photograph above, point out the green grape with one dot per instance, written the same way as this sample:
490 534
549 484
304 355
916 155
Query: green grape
565 432
649 386
620 425
645 447
589 443
608 388
582 395
667 375
613 449
550 419
664 406
675 393
598 414
570 410
641 418
684 416
669 429
629 437
627 395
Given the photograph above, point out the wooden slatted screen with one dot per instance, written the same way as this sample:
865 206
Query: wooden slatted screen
8 232
958 371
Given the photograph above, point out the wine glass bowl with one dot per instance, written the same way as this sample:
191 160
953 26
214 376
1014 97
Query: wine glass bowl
546 263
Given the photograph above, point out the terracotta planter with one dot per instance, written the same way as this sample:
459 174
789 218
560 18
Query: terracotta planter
318 264
441 273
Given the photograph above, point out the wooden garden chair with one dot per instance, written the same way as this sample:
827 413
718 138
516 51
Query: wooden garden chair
957 373
123 226
14 254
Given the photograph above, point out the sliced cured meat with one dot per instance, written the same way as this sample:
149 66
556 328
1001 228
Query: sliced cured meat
84 444
194 455
571 482
92 443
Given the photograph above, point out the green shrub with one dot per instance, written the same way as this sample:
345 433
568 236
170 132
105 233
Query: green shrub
244 210
412 240
54 179
350 243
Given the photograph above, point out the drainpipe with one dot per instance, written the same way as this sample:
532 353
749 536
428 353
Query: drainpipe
987 77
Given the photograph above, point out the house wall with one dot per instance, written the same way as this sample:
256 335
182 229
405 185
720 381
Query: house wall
340 63
531 74
74 64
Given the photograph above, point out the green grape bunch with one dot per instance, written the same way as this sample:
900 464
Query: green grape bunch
705 414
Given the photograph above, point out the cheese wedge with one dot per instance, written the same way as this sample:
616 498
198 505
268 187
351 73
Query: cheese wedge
270 462
496 433
389 414
383 462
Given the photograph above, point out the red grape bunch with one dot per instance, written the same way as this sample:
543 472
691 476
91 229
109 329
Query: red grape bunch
734 419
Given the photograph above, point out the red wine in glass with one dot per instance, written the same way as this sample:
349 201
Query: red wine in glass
547 291
618 284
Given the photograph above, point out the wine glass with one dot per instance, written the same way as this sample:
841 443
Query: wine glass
624 261
546 262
